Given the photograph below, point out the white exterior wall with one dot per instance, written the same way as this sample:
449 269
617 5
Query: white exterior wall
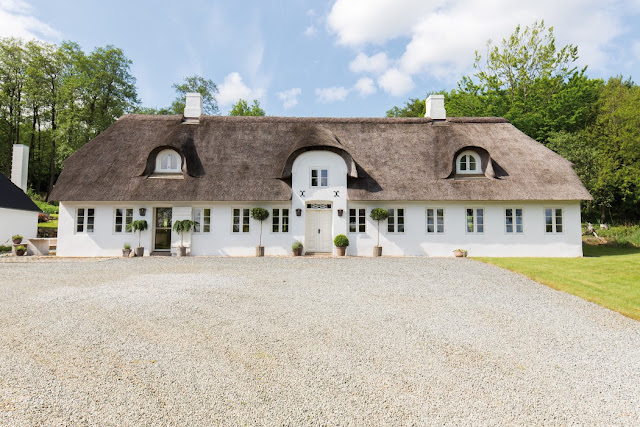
15 221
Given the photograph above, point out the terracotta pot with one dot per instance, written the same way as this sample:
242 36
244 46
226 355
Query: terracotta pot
342 250
182 251
17 241
458 254
296 252
377 251
20 252
259 250
126 253
139 251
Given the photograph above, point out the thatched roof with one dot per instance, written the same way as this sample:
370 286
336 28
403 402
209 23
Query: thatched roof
250 158
12 197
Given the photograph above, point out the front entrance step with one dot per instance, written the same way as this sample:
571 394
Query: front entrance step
160 253
318 254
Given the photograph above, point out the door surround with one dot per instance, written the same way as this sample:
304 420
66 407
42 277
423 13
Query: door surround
163 229
319 216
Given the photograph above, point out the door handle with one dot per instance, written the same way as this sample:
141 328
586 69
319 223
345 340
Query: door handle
318 231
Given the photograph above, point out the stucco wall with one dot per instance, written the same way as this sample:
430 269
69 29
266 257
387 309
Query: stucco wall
14 221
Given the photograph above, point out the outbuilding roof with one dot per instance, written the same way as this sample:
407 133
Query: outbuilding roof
249 159
12 197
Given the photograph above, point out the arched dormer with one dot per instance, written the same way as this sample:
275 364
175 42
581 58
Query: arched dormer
468 162
168 161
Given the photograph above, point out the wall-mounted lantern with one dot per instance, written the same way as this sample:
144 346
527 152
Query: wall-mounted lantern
298 212
143 211
340 212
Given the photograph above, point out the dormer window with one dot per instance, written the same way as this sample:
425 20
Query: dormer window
168 161
468 162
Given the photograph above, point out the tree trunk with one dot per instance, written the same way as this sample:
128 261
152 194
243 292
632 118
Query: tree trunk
52 159
603 218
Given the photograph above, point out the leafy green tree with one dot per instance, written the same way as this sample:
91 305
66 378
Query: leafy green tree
206 88
243 109
415 107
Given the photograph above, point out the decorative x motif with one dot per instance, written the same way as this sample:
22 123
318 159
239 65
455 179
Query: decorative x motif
302 193
336 193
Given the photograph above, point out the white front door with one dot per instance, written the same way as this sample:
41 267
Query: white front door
318 230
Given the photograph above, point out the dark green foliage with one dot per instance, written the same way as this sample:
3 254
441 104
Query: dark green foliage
379 214
5 249
296 246
184 226
138 225
205 87
341 241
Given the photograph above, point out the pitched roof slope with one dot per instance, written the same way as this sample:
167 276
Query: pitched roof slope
12 197
243 159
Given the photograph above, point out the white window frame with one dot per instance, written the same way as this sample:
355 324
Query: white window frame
554 220
199 218
514 230
85 220
360 221
280 224
168 152
394 215
318 177
475 220
435 210
241 222
124 219
467 170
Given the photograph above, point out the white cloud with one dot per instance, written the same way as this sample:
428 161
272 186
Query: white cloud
310 31
332 94
17 20
441 37
233 88
396 82
369 64
289 97
365 86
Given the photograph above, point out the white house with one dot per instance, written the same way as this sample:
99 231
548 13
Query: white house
472 183
18 213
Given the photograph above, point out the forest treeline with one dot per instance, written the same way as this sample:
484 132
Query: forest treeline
592 122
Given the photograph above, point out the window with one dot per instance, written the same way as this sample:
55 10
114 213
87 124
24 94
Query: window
85 219
553 220
240 220
475 220
435 220
168 161
513 220
319 178
123 218
468 162
280 220
395 223
202 216
357 220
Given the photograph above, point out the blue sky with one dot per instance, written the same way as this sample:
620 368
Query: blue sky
322 58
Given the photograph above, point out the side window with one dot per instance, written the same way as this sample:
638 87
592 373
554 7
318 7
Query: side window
357 220
475 220
395 222
553 220
435 220
319 177
202 216
240 220
280 220
168 161
468 162
122 219
513 221
85 220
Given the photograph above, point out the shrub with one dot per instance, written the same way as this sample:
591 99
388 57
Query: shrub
379 214
43 217
341 241
127 246
5 248
47 208
21 248
296 246
17 237
138 225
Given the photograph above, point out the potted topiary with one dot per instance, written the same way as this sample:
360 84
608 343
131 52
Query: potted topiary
296 249
259 214
460 253
138 225
17 239
126 250
341 241
378 214
21 250
181 227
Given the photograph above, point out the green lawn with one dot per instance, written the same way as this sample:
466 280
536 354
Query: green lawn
607 275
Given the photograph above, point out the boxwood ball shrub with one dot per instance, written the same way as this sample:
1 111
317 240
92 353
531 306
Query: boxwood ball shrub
296 246
341 241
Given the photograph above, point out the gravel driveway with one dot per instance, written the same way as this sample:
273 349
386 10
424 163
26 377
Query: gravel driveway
298 341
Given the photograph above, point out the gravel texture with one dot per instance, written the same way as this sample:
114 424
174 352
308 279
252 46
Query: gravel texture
299 341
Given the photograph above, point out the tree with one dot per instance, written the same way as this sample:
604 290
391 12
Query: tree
184 226
379 214
260 214
139 226
242 109
206 88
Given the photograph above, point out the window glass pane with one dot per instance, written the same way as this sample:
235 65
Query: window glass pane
480 220
463 163
324 177
472 163
174 161
470 222
314 173
352 220
440 223
197 218
245 220
430 221
391 221
275 220
285 220
164 164
207 221
509 228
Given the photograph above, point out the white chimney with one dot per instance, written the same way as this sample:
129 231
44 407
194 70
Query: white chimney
435 107
20 166
193 106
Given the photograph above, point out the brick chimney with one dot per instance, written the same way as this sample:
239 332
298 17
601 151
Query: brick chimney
20 166
435 107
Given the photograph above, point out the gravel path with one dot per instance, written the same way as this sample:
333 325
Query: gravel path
298 341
